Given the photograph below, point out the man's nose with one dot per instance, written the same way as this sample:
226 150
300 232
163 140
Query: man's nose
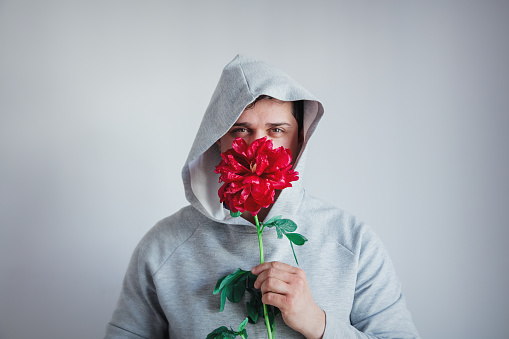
255 136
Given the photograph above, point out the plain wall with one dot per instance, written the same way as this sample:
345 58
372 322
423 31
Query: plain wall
100 102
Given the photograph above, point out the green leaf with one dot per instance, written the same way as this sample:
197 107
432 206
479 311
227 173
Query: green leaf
218 284
237 290
228 279
224 293
232 286
217 333
273 312
283 226
279 233
242 325
251 278
271 220
286 225
296 238
252 312
255 307
224 333
235 214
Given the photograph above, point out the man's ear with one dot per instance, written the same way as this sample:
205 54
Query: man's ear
218 143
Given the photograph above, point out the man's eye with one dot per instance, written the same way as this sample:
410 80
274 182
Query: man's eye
239 130
277 130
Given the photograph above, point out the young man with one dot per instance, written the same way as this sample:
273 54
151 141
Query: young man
345 286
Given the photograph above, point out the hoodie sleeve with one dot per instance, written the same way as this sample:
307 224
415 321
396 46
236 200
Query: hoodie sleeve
138 313
379 309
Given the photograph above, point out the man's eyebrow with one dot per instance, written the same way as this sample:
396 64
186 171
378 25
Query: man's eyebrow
275 124
269 124
241 124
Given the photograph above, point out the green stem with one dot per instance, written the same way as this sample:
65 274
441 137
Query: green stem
291 244
263 226
260 244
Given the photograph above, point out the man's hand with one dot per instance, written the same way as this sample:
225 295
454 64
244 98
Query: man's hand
286 287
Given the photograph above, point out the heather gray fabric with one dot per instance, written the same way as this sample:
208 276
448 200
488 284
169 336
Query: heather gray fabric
167 290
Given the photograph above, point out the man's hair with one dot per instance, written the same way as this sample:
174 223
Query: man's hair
297 110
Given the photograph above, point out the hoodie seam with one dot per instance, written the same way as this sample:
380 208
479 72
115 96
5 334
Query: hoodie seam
174 250
245 78
125 330
346 248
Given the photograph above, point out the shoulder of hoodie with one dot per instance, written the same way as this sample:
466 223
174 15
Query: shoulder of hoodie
167 235
338 225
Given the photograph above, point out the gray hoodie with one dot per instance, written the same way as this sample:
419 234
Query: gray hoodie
167 290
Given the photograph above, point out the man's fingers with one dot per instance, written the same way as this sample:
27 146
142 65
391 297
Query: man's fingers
274 264
277 270
274 285
274 299
286 287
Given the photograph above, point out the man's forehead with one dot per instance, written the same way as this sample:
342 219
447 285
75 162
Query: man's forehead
247 123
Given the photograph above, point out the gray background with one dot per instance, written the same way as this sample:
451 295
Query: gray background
100 102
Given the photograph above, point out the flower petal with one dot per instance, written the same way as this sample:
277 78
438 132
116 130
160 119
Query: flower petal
252 174
240 146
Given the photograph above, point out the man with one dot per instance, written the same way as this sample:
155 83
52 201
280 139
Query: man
345 286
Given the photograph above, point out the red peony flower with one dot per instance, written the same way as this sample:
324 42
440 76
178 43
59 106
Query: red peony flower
251 174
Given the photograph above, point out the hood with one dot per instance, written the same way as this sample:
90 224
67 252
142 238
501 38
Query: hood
242 81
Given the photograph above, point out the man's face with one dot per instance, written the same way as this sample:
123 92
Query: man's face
268 118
